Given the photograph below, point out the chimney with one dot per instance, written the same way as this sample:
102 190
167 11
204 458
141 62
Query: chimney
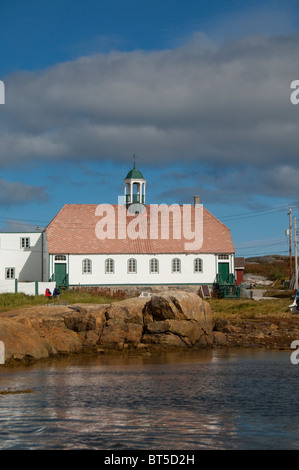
196 201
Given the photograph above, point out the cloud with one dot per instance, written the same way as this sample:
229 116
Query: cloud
225 106
20 193
239 185
270 20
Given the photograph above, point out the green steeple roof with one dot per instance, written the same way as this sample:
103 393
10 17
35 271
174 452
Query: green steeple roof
134 174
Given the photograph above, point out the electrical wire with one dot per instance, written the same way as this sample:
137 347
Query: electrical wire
238 216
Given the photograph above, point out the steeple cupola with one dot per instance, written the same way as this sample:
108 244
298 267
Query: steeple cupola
134 187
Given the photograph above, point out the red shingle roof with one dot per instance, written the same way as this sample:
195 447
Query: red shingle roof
73 230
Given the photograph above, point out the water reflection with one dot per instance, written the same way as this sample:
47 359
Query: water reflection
199 400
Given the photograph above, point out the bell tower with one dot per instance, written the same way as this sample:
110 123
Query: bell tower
135 189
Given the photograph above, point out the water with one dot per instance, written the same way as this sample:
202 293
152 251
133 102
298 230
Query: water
201 400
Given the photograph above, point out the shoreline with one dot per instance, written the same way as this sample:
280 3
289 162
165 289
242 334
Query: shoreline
42 333
234 334
264 332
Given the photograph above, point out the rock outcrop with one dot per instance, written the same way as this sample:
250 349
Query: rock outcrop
178 319
267 332
168 320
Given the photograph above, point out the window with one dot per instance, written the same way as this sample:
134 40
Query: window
109 266
60 257
154 265
223 256
9 273
86 266
25 242
198 265
176 265
132 266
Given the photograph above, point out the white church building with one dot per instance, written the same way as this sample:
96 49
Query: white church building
126 244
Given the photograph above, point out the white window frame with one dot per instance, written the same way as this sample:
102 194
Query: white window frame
10 273
154 266
175 265
198 269
25 242
109 266
87 266
132 266
60 257
223 257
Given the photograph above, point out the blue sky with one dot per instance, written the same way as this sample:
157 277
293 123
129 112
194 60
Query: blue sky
199 90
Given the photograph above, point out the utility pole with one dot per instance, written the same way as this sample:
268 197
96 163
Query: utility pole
296 261
290 239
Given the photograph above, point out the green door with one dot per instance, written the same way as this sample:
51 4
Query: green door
223 270
60 274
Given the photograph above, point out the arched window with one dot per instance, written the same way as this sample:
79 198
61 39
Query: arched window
198 265
154 265
86 266
109 266
176 265
132 266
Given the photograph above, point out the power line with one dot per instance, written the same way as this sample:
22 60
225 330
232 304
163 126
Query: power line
257 212
280 253
252 213
266 241
84 226
25 220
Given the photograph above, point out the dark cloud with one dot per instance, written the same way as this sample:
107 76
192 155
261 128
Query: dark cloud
226 106
242 185
16 193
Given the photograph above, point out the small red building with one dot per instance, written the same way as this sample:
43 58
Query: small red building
239 270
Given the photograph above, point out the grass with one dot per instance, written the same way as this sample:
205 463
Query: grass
274 268
246 309
221 308
96 296
278 293
11 301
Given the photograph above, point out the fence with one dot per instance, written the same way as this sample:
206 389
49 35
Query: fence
28 288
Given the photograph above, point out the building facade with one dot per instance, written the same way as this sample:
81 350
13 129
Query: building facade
23 256
129 243
120 245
